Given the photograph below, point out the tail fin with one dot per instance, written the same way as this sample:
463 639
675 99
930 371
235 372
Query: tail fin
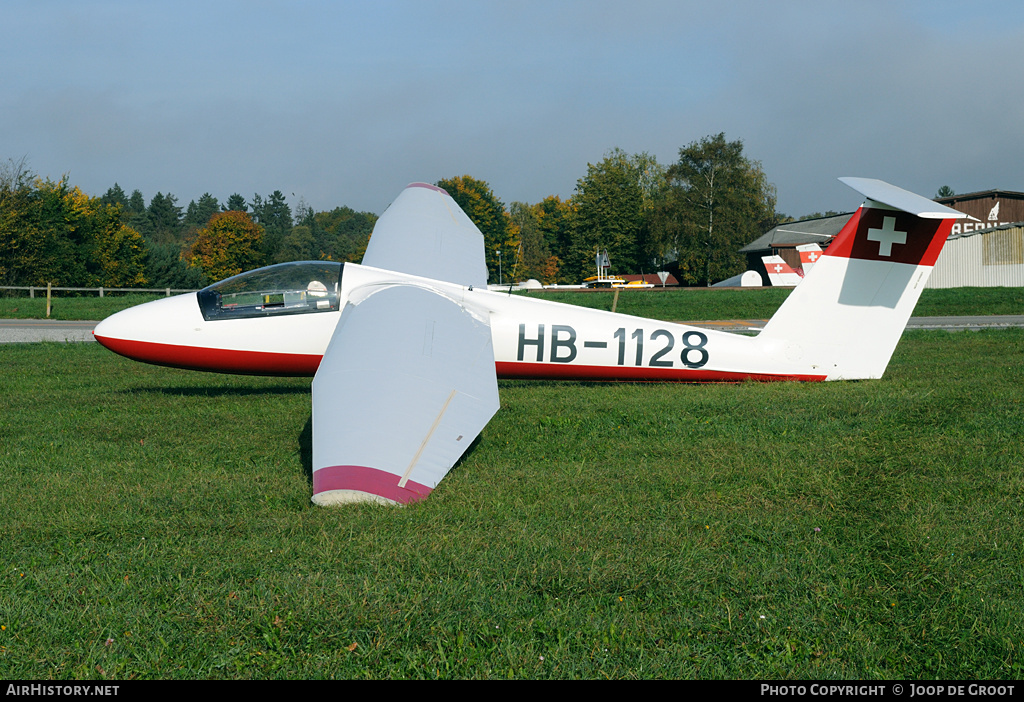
779 272
847 316
809 255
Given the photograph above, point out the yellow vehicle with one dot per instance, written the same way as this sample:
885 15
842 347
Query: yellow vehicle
609 281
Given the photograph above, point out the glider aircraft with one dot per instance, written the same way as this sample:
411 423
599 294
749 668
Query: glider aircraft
405 349
781 274
809 254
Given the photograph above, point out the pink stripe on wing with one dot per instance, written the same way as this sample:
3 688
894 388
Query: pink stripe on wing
369 480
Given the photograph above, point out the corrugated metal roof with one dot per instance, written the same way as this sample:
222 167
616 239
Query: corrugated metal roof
808 231
978 195
961 235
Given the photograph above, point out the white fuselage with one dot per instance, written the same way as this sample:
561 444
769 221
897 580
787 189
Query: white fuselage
532 338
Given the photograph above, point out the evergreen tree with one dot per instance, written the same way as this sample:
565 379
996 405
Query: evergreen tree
274 215
235 203
199 213
165 268
136 215
554 219
164 219
115 196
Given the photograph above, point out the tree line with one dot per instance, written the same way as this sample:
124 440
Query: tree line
692 215
51 231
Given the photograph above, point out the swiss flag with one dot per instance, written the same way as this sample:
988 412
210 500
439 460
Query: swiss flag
891 235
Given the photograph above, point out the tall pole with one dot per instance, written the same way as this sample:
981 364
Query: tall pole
499 266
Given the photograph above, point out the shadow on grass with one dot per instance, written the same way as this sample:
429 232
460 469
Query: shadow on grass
306 450
222 391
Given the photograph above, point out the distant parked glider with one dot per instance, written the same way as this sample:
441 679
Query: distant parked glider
781 274
407 347
809 255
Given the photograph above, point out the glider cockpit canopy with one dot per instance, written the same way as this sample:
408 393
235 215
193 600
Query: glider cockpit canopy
300 287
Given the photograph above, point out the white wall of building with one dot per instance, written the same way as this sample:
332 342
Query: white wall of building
987 258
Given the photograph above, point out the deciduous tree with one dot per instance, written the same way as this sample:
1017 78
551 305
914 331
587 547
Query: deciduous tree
52 231
487 212
227 246
338 235
118 256
611 207
716 201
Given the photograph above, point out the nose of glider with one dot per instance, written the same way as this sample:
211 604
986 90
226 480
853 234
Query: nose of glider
151 331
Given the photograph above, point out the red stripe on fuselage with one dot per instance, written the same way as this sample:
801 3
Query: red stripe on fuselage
293 364
216 360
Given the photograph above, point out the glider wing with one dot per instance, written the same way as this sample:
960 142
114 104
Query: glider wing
425 233
406 384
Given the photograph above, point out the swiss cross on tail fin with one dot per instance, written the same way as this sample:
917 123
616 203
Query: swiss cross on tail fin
847 316
779 272
809 255
894 225
887 235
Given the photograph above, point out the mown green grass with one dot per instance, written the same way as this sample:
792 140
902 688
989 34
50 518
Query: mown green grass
91 307
684 304
692 304
689 304
833 530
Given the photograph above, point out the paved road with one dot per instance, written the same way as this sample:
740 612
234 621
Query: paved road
949 323
28 330
996 321
22 330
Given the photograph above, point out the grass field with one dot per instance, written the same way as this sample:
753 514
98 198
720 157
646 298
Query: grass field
690 304
156 523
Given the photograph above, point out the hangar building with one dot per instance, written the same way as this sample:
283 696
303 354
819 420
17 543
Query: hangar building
783 240
984 253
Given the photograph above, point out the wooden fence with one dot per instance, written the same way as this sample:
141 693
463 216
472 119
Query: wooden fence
102 291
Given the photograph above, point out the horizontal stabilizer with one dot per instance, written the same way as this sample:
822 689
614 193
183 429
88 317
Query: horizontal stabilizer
900 199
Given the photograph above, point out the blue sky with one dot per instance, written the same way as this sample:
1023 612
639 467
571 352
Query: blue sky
343 103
